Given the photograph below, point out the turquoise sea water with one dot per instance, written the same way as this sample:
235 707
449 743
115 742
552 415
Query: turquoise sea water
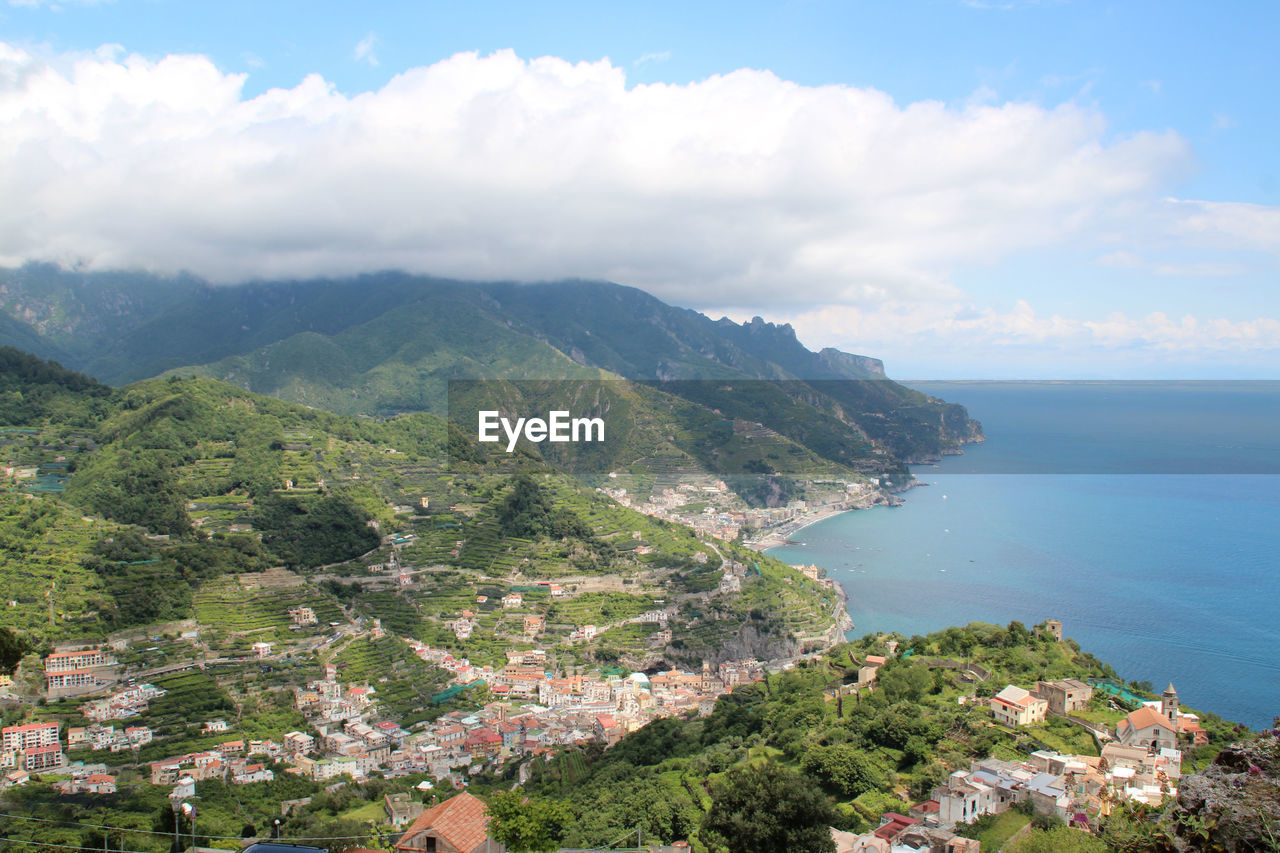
1146 517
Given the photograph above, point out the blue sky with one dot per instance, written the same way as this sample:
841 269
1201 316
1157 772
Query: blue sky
991 189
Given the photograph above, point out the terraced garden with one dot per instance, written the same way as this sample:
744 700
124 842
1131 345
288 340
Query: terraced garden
42 544
600 608
242 616
403 682
398 614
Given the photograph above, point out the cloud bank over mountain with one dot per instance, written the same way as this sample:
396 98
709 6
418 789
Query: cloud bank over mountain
740 185
741 189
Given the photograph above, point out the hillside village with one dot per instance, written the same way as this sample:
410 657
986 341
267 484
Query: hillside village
532 695
713 510
532 710
528 711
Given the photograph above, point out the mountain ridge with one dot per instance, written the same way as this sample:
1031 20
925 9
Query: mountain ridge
385 343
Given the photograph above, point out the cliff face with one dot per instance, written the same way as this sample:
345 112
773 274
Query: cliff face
1234 805
846 362
752 640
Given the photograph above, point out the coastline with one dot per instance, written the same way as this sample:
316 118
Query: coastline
842 620
782 535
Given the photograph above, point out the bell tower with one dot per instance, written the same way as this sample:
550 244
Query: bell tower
1169 705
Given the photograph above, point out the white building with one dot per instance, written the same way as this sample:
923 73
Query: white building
1014 706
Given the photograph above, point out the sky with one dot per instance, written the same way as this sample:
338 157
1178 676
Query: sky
964 188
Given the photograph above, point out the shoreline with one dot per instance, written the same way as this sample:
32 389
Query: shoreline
842 619
777 538
781 535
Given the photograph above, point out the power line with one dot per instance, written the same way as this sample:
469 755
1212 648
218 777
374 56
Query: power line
67 846
71 824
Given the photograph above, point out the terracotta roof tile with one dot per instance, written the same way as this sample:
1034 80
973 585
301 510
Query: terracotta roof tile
1147 716
461 821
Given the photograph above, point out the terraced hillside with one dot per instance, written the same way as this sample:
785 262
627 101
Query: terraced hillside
240 610
192 499
403 684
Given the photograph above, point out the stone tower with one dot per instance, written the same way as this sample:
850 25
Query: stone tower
1169 705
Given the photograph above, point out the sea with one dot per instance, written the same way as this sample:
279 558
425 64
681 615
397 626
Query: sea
1143 515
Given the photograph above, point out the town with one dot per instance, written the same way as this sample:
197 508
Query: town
712 509
531 712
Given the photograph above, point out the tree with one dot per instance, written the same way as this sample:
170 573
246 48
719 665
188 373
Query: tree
12 647
841 769
908 681
916 750
527 824
764 808
1018 635
529 511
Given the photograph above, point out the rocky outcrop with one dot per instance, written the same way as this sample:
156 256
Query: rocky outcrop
852 365
1234 805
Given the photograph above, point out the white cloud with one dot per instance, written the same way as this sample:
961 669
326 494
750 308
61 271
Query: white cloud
1129 260
364 50
939 329
740 189
647 58
1226 225
961 341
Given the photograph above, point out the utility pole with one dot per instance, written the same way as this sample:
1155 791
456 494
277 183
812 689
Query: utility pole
190 811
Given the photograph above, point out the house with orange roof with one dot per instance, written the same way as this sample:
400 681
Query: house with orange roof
606 728
458 825
1148 728
1189 727
891 824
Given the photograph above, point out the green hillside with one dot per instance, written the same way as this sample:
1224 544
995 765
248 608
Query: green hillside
181 498
388 343
866 751
398 362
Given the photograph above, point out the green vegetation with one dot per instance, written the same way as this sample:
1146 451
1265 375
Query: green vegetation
403 683
527 825
389 343
310 530
869 751
994 830
1059 839
760 807
34 391
43 546
192 499
143 818
12 648
528 512
244 609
